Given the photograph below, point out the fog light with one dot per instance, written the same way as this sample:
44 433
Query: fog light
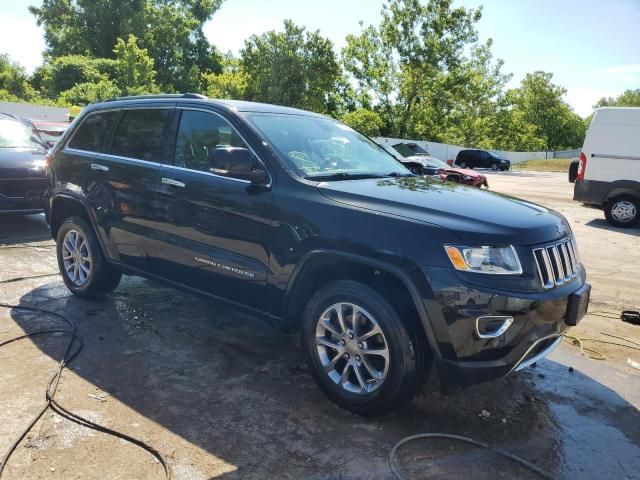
492 326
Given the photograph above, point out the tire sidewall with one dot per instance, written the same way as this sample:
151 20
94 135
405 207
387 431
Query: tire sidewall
403 365
92 285
609 216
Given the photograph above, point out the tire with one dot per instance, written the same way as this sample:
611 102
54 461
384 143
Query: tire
494 167
396 379
622 211
77 244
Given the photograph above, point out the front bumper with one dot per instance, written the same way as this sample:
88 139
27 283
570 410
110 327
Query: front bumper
22 196
539 321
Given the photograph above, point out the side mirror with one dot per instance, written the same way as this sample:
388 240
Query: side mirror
237 162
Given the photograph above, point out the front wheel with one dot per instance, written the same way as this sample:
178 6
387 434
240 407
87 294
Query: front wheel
494 166
83 267
360 352
623 211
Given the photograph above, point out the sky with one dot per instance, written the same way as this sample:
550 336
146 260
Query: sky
591 46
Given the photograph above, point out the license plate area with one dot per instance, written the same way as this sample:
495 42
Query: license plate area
578 305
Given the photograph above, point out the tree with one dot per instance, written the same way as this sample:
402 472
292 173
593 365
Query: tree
365 121
414 52
14 85
171 31
629 98
294 68
541 104
231 83
134 68
65 72
89 92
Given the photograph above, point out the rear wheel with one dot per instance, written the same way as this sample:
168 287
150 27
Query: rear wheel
83 267
623 211
361 354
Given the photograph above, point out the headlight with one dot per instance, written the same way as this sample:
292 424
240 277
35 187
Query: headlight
495 260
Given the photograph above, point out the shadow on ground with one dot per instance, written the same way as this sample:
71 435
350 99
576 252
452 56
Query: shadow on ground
604 225
237 388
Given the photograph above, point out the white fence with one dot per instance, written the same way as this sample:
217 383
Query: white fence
445 152
35 112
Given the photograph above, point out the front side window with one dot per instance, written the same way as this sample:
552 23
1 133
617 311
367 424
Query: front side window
15 134
141 134
91 134
324 149
199 135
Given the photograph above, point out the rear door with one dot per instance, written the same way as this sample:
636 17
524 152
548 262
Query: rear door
122 177
216 229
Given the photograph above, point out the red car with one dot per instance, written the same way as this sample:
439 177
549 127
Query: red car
428 165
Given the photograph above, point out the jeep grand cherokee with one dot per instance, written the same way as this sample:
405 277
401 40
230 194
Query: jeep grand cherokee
298 218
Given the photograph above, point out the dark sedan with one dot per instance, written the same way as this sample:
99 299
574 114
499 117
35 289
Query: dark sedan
23 179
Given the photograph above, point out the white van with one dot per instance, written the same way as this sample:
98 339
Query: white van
609 170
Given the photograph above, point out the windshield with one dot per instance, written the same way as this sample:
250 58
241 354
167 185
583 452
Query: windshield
436 163
14 134
325 149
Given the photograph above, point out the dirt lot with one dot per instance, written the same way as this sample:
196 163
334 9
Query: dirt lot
222 395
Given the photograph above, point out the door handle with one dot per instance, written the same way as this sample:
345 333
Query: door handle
97 166
172 182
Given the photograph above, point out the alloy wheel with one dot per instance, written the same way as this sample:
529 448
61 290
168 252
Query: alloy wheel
352 348
76 257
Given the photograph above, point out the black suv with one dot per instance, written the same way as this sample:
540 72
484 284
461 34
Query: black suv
481 159
299 218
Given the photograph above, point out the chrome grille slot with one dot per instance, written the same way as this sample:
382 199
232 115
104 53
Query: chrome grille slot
558 263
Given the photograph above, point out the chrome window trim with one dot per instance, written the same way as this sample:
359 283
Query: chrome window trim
108 155
211 112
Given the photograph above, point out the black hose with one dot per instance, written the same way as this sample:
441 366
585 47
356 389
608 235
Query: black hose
52 387
397 472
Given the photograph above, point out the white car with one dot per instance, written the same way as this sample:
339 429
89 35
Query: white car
609 170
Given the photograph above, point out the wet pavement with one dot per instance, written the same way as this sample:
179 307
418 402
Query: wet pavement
223 395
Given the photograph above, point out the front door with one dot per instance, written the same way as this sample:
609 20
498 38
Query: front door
215 231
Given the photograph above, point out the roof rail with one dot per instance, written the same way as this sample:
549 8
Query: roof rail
160 96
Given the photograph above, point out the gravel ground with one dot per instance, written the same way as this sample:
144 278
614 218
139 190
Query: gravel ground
222 395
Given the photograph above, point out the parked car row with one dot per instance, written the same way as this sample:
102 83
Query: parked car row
386 275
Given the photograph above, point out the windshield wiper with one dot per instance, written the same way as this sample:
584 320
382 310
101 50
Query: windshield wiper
342 176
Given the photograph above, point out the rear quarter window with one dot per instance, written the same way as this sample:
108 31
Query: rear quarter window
93 132
141 134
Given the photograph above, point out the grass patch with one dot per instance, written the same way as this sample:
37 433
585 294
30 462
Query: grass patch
544 165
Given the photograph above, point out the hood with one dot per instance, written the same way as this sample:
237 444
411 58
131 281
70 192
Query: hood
21 163
477 216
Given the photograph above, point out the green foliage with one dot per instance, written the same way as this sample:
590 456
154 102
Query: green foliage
85 93
230 83
365 121
294 67
65 72
171 31
629 98
134 68
14 83
541 104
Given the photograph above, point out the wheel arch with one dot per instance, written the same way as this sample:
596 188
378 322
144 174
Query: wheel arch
320 267
632 191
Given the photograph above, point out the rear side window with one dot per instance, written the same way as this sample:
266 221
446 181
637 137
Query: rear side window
141 134
92 133
200 133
